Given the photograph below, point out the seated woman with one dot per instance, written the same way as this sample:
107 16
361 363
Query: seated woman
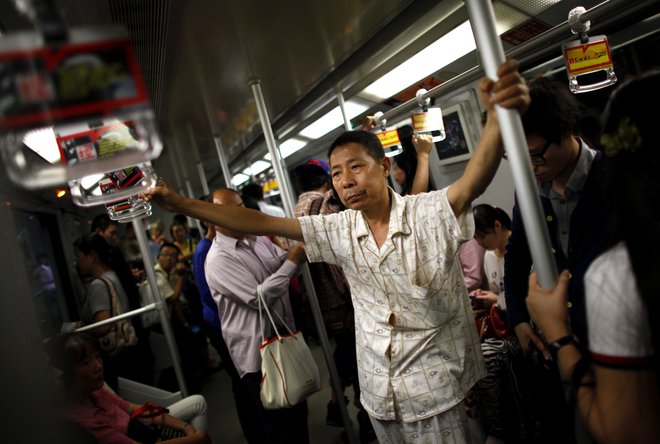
103 413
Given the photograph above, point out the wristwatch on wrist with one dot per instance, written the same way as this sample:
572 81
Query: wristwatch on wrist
559 343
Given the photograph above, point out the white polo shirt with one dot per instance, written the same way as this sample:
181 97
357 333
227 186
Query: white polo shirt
431 357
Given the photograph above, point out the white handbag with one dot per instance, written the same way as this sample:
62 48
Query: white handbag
289 374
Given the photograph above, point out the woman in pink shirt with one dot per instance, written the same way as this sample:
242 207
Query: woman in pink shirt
104 414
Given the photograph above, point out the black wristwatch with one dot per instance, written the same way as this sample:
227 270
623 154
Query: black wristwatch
554 347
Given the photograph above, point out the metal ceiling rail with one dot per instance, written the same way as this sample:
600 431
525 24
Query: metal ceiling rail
603 16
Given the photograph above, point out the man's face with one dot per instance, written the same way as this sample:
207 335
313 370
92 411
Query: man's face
168 258
110 234
358 178
550 159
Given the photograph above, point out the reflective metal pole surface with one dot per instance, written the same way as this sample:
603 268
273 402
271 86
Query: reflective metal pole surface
224 166
287 198
342 107
161 305
492 56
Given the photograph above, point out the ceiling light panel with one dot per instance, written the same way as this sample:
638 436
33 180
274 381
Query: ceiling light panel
239 179
256 168
290 146
442 52
333 119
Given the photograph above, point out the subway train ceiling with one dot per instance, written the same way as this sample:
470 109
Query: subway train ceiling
198 58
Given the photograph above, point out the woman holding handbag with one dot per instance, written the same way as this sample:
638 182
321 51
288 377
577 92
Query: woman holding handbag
104 298
108 417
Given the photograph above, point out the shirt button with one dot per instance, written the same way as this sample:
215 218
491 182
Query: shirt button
548 218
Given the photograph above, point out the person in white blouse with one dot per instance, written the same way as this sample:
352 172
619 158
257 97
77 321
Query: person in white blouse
417 347
492 231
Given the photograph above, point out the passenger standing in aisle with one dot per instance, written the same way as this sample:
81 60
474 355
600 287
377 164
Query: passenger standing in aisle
570 184
492 231
141 356
418 350
616 379
334 297
235 266
570 177
244 406
93 259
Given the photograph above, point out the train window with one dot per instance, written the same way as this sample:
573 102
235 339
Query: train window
44 266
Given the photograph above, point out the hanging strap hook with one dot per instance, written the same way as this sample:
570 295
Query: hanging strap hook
423 102
380 120
578 26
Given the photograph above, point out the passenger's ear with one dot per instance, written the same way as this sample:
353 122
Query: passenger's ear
386 164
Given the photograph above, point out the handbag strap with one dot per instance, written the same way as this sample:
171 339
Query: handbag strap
112 295
264 306
148 410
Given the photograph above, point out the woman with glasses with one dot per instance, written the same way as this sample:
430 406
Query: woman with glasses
569 176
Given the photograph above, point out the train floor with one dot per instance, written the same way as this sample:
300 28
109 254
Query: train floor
225 428
223 421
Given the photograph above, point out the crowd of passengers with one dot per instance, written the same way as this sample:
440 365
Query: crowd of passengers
436 316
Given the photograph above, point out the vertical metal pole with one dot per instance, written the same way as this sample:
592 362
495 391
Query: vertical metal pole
200 165
177 176
224 167
275 156
202 178
492 55
287 199
141 237
342 107
222 157
189 190
192 196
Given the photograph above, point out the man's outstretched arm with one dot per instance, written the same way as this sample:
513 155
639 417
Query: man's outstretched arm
510 91
230 217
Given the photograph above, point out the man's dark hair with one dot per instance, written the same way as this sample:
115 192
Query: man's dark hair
368 140
180 219
168 245
311 177
253 190
94 242
102 222
555 112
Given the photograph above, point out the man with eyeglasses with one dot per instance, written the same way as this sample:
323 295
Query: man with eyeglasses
569 176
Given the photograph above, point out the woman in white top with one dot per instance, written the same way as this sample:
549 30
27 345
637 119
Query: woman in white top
492 228
616 380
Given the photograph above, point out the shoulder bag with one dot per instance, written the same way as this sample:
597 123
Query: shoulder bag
122 334
289 374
